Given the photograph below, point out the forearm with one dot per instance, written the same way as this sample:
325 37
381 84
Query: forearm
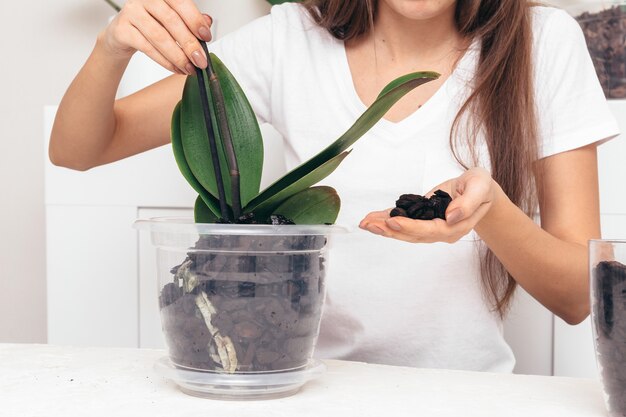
90 99
552 270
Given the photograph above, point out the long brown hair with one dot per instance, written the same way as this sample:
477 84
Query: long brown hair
501 104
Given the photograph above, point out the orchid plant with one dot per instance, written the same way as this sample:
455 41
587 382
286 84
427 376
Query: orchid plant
218 147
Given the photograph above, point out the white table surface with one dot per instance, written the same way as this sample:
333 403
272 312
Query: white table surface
44 380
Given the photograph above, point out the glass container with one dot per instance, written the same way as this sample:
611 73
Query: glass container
607 260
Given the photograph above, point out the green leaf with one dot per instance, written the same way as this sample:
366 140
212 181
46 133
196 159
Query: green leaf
194 138
202 213
393 92
211 202
398 82
267 207
245 132
315 205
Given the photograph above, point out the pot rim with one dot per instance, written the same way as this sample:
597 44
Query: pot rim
607 240
187 225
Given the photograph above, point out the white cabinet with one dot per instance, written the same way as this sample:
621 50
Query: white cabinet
91 286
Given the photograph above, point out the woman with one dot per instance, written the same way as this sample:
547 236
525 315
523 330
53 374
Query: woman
518 105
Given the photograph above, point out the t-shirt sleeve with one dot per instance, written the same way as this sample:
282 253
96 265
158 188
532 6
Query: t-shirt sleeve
571 107
248 54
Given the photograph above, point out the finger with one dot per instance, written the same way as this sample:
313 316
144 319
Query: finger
192 17
425 231
140 43
457 229
372 228
375 215
178 30
413 237
375 222
163 42
467 202
208 19
377 228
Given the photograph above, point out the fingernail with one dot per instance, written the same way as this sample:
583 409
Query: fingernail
190 69
205 33
454 216
208 19
393 225
199 59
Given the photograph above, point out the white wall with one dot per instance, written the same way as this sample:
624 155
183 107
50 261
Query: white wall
43 45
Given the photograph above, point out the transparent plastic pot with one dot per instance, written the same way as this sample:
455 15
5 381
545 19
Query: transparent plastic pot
240 305
604 24
607 260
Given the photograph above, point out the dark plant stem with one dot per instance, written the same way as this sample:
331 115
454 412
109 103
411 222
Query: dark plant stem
212 145
224 129
114 5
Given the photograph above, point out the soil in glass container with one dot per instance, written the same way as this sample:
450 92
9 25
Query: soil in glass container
609 304
245 303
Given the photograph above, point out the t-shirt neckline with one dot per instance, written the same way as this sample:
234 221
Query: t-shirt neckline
419 116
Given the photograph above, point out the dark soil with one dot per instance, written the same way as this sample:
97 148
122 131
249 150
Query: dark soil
609 304
269 304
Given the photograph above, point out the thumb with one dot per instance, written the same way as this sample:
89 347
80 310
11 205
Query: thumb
454 215
466 203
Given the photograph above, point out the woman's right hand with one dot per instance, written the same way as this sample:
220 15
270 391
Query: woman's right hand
165 30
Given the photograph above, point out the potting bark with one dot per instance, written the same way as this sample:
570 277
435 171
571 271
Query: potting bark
266 292
418 207
609 303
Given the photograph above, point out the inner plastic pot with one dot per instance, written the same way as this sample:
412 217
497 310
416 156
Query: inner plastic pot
240 299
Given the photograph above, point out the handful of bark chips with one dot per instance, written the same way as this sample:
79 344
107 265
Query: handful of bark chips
418 207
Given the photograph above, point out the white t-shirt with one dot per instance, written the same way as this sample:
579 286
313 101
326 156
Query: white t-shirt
389 301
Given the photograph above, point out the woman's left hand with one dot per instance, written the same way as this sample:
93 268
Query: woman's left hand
472 195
